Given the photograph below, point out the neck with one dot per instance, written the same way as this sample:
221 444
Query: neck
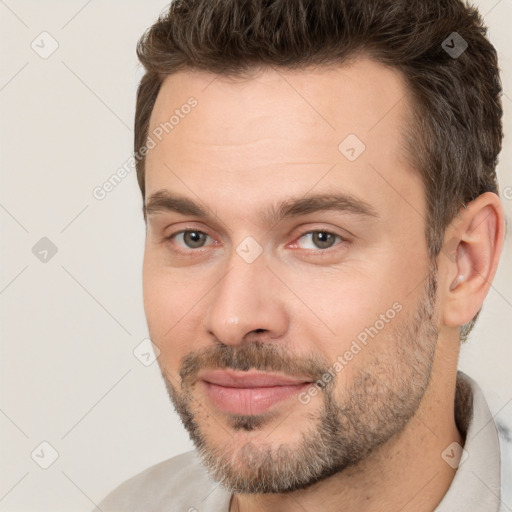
407 473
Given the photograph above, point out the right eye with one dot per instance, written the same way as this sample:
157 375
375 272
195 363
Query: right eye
189 239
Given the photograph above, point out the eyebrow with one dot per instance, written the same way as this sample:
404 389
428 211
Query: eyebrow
164 201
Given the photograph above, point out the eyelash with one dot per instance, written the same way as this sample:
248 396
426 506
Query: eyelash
318 250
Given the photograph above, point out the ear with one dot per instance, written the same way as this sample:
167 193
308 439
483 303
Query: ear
471 249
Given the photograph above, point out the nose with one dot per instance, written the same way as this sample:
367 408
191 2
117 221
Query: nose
248 299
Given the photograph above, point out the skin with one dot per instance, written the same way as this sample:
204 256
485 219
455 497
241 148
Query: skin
255 142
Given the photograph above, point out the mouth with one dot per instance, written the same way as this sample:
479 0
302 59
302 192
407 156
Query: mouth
249 393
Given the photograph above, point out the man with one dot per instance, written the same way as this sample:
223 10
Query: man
323 226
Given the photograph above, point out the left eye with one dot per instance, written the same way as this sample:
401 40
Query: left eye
320 239
191 239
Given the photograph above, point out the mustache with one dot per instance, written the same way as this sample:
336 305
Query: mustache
257 355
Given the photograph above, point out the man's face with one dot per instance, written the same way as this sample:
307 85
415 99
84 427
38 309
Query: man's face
307 264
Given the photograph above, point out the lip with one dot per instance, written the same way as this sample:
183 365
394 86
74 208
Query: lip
249 393
250 379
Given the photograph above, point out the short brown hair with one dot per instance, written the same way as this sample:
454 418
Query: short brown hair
456 129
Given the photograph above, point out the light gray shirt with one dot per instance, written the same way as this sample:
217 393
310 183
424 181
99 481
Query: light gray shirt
482 483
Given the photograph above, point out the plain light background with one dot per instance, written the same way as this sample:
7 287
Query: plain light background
70 325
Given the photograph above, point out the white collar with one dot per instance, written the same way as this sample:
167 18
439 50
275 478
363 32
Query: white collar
476 485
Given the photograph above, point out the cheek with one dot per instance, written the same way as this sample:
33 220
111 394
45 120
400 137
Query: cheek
350 314
172 305
342 300
165 297
162 305
156 300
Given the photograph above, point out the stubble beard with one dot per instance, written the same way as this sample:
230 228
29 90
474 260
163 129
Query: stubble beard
381 401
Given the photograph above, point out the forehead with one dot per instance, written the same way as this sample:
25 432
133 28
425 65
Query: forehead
353 98
282 130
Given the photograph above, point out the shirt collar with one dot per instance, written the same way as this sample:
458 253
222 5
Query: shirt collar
476 485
